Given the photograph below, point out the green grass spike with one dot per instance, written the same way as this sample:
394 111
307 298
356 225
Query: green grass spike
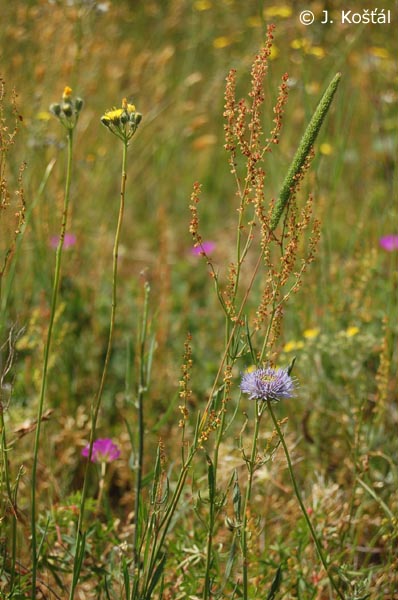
303 150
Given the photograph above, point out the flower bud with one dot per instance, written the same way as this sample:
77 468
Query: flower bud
78 104
67 109
67 94
136 118
55 109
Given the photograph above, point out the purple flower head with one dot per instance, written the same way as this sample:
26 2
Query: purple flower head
206 247
389 242
267 384
69 240
104 450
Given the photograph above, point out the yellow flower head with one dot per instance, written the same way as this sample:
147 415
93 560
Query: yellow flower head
123 122
112 116
67 93
222 42
309 334
326 149
317 51
293 345
202 5
379 52
282 11
351 331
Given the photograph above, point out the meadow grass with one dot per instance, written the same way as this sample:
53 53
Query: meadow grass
133 463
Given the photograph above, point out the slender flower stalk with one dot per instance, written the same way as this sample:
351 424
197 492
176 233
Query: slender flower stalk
301 503
267 386
264 385
142 387
104 451
251 465
68 114
123 123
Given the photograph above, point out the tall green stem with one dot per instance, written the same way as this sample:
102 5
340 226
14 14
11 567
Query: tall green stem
303 509
58 260
142 387
4 468
251 467
95 407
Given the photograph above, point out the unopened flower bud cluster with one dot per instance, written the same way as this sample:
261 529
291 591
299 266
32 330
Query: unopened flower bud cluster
68 110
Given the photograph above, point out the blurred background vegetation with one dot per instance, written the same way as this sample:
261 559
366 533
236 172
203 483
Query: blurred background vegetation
171 58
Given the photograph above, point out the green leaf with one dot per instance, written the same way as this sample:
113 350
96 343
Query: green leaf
275 584
237 498
156 576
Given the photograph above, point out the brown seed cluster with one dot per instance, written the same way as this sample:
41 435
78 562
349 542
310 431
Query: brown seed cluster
12 203
193 207
278 111
383 371
285 259
283 253
185 390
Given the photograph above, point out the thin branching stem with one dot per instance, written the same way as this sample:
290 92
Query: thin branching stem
229 342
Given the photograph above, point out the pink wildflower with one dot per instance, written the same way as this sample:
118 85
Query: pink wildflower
104 450
69 240
206 247
389 242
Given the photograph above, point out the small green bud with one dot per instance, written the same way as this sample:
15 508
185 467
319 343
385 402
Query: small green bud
67 109
55 109
78 104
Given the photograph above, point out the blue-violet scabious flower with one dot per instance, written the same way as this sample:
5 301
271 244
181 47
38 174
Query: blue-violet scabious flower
104 450
268 384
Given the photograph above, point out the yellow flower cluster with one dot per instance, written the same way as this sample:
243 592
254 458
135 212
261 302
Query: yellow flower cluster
122 122
310 334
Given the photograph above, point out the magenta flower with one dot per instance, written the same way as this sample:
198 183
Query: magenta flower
389 242
268 384
69 240
206 247
104 450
